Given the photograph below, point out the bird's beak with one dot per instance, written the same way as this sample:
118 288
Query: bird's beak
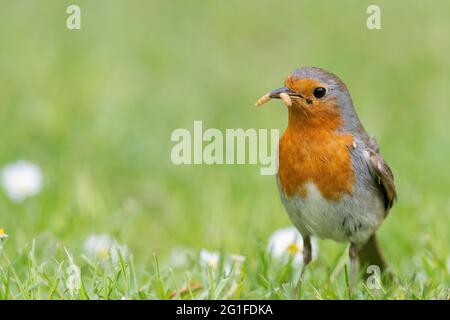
283 93
275 94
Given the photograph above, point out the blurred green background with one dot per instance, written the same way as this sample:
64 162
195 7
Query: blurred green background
95 108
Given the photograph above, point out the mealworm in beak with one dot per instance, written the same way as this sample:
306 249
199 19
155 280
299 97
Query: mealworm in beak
286 99
262 100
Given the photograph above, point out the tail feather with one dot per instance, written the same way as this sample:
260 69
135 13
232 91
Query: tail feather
370 254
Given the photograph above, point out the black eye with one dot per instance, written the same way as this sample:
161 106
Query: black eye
319 92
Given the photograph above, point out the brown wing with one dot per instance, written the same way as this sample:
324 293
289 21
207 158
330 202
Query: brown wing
384 175
383 172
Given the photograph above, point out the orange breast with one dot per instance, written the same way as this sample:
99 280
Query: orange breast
311 151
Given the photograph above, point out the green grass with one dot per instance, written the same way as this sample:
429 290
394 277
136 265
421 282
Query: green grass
95 109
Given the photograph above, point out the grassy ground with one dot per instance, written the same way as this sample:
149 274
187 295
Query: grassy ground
95 109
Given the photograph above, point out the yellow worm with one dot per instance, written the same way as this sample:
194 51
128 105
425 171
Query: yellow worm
262 100
286 99
283 96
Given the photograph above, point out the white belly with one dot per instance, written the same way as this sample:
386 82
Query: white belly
352 218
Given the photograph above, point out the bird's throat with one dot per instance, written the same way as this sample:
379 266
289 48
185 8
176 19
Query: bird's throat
311 150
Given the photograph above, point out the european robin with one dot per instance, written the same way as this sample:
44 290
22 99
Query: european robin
332 179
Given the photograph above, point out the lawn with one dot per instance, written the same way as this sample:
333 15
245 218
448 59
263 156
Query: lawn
114 218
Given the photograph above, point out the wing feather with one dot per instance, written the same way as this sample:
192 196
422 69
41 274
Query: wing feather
384 175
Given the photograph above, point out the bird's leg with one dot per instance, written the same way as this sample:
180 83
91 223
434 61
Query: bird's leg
307 252
353 254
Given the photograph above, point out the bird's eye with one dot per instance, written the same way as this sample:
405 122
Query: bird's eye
319 92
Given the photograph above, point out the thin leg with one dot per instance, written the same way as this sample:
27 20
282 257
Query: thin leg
353 254
306 260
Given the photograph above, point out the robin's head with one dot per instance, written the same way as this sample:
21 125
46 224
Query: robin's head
313 91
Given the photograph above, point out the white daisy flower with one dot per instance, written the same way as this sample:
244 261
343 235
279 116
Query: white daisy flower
73 272
102 246
287 242
21 180
73 281
237 258
232 262
3 235
209 258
